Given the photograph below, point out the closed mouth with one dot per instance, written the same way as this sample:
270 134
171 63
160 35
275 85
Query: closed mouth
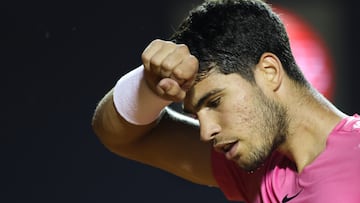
225 147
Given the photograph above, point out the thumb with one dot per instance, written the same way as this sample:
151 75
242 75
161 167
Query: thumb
171 89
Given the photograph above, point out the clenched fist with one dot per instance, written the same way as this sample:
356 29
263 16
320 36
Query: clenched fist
170 69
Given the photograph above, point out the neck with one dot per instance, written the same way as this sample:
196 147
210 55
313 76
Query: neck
312 119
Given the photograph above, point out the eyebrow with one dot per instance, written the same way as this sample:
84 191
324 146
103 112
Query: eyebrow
203 99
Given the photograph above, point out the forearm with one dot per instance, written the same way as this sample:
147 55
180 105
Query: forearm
128 111
131 121
111 128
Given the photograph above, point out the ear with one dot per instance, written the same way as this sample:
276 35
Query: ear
269 72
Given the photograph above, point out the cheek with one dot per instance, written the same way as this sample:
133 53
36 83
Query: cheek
243 111
238 117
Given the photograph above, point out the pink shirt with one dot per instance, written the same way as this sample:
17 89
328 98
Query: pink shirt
333 177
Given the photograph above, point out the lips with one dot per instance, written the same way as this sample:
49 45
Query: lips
228 148
232 152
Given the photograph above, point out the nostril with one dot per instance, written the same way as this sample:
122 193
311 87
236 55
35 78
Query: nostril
213 142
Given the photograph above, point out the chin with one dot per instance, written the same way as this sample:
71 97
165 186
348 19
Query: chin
250 167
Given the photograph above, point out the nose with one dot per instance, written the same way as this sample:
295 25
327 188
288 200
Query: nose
209 127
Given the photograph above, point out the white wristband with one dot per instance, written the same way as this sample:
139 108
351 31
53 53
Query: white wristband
135 101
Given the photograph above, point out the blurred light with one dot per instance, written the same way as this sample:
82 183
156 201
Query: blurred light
310 52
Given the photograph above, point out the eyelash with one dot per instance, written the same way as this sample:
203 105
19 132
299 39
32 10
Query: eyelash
214 103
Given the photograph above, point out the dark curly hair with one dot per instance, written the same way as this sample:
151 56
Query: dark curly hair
231 36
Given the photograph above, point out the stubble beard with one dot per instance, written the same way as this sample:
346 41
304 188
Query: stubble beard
273 130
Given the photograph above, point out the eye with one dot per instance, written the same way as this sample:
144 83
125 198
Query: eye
214 102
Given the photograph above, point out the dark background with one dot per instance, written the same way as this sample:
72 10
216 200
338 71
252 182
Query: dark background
58 60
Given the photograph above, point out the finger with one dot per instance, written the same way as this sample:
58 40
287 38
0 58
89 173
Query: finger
150 51
158 58
187 69
180 52
171 89
172 60
185 73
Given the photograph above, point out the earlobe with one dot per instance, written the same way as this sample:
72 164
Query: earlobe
270 68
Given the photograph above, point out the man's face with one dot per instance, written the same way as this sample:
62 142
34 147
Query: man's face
238 118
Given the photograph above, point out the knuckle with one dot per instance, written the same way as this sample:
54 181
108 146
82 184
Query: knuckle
155 61
193 60
169 46
157 42
145 57
167 65
182 48
169 43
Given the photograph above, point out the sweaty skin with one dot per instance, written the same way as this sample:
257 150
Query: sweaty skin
246 121
237 118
